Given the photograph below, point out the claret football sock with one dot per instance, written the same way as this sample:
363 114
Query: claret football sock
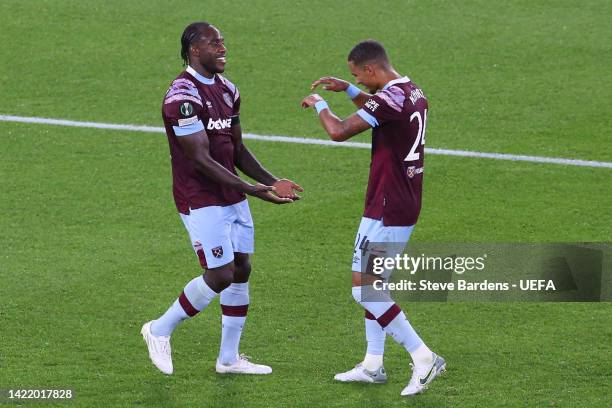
194 298
234 306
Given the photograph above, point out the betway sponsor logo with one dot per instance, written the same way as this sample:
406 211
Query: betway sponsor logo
218 124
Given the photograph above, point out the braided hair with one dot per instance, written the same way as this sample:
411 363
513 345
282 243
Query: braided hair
190 35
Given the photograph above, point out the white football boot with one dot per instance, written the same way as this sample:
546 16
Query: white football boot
242 366
159 349
422 376
360 374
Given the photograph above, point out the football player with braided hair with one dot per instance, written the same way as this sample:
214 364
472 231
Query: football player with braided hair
201 116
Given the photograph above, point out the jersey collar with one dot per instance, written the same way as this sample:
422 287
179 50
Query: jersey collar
201 78
401 80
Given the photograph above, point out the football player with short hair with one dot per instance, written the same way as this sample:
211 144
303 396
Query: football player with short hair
396 110
201 116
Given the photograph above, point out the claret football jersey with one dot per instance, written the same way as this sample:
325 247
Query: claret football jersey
194 103
398 116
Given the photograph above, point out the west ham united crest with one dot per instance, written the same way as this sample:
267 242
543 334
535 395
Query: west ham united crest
186 109
413 171
217 252
228 99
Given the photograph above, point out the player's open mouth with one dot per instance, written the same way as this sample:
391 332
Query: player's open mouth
222 59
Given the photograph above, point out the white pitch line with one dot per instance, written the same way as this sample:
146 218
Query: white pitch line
303 140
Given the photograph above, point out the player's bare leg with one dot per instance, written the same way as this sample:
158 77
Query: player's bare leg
196 295
234 306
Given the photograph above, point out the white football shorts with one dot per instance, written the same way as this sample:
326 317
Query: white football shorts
217 232
374 240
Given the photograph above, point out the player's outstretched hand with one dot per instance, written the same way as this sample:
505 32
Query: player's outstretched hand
331 84
264 192
310 100
285 188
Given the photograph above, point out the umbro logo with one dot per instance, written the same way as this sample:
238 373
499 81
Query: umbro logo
218 124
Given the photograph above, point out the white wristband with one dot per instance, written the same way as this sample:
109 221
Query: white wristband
319 106
352 91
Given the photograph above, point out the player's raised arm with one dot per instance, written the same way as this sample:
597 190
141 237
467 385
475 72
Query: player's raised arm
246 161
340 85
196 148
339 130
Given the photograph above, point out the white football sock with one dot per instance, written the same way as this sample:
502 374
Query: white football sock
403 333
234 306
165 325
390 317
375 335
195 297
422 356
372 362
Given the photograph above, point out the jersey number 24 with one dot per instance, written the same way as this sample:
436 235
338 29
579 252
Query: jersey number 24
414 155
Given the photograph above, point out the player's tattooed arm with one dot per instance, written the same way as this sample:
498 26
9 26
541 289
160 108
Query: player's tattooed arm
340 85
246 161
339 130
196 148
360 99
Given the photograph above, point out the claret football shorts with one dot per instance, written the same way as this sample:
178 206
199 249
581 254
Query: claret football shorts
374 239
217 232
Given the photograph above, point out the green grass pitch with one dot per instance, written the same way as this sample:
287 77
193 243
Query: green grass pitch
91 245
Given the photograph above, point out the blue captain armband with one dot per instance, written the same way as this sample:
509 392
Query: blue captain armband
188 129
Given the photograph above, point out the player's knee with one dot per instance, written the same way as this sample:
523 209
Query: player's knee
242 268
242 272
220 278
226 277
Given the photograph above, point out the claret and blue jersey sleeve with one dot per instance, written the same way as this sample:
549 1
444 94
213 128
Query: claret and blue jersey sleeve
384 106
182 107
